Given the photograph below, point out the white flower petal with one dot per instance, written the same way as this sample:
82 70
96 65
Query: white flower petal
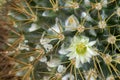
60 68
104 3
46 77
93 53
45 13
38 47
82 59
56 28
92 32
72 4
91 43
75 39
84 39
33 27
87 2
77 62
43 59
19 73
71 23
63 51
67 77
48 47
31 58
88 54
53 63
71 56
87 59
23 46
44 41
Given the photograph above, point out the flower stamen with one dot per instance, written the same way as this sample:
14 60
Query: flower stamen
81 48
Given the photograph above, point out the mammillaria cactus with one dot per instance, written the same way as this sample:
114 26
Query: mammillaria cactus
60 40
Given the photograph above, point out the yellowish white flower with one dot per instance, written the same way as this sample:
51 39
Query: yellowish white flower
57 31
46 43
81 50
72 24
57 28
72 4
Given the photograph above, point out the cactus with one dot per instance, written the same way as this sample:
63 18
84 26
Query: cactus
60 40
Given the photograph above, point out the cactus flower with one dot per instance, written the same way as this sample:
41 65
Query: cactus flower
81 50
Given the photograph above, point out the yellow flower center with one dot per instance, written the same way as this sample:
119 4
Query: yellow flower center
71 20
81 49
